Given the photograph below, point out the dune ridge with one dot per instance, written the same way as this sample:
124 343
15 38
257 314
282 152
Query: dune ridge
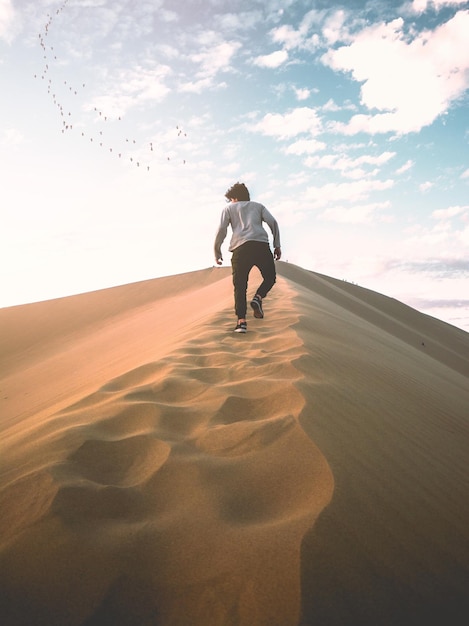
177 479
156 468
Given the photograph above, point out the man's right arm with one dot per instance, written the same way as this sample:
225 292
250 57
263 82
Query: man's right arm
220 236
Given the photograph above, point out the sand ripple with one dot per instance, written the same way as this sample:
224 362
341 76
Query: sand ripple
185 473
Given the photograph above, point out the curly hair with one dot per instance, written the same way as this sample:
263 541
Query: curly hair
238 191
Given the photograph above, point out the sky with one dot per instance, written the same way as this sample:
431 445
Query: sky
123 123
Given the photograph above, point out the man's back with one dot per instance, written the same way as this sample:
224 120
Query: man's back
246 218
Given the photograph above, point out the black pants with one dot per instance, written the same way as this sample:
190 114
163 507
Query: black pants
243 260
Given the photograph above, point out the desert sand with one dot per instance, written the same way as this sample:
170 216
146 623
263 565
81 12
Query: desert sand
158 469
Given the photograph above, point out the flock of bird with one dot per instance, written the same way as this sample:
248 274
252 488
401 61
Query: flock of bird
56 92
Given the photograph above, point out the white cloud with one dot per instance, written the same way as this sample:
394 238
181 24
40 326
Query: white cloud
273 60
411 82
352 168
302 93
299 178
428 237
450 212
238 21
305 146
420 6
356 191
199 86
406 167
298 121
333 29
287 36
359 214
131 87
465 174
216 57
333 107
291 38
169 51
447 240
426 186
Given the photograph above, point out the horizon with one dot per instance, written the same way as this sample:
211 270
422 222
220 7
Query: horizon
124 125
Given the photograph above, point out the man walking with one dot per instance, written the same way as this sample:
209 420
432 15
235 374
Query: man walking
250 246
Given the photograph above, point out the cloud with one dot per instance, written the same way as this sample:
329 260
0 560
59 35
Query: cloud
465 174
333 29
450 212
441 304
305 146
302 93
334 107
352 168
359 214
128 88
85 26
426 186
356 191
290 38
287 36
409 80
238 21
296 122
273 60
406 167
445 234
445 267
420 6
216 57
451 228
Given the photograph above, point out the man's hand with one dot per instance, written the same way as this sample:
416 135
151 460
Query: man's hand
220 261
277 253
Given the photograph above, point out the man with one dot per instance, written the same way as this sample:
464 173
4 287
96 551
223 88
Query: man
250 246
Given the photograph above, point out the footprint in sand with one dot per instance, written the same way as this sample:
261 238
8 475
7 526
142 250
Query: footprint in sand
101 479
122 463
187 473
222 402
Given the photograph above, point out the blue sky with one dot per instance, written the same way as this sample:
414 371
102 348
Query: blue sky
123 123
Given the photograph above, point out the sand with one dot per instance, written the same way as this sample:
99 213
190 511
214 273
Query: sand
158 469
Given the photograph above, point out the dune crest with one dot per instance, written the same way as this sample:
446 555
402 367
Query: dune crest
185 483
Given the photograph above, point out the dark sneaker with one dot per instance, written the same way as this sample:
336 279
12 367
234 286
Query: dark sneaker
256 305
241 327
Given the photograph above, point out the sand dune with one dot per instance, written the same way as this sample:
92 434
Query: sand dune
156 468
